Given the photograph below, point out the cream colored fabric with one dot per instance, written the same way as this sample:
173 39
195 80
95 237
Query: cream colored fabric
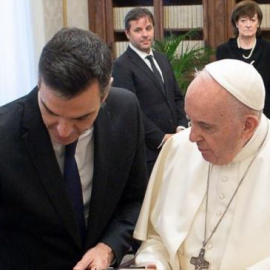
223 183
226 73
263 265
176 191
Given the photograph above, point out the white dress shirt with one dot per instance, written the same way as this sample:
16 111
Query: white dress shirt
85 161
143 55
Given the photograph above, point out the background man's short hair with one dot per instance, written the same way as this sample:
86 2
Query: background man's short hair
137 13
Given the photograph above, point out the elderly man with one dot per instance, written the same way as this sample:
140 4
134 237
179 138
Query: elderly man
207 205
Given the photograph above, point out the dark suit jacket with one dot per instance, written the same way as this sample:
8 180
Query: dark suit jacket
37 225
162 112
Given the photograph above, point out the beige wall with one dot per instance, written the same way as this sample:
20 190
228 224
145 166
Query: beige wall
75 12
48 17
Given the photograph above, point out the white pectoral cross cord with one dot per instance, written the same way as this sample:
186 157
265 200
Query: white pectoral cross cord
199 262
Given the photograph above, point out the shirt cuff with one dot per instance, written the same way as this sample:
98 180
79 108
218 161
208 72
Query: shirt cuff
180 128
162 142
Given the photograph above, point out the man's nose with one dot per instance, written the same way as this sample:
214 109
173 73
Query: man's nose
194 135
144 33
64 128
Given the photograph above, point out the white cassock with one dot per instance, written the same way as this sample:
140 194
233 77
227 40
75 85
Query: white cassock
172 219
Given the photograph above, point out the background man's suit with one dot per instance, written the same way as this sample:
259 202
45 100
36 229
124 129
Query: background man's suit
37 226
162 112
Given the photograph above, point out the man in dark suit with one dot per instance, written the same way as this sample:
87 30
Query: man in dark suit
39 228
153 83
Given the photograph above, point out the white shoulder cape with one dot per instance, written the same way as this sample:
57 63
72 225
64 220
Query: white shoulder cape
175 192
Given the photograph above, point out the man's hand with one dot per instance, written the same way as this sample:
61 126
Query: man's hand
96 258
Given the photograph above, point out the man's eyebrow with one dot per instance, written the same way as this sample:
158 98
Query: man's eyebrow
53 113
46 107
84 116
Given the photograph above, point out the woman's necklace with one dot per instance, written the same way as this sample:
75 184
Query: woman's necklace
252 49
199 262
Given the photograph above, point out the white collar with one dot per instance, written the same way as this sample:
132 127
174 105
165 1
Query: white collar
140 53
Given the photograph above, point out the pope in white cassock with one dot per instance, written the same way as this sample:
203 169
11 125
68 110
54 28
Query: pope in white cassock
207 204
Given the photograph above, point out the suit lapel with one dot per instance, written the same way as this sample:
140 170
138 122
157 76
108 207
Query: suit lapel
100 177
40 149
137 60
160 60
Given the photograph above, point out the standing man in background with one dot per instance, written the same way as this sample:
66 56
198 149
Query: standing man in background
72 163
149 75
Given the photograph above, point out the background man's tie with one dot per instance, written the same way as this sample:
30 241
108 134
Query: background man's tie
74 187
155 71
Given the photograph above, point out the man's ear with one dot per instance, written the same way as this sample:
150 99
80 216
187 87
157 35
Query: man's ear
127 34
251 123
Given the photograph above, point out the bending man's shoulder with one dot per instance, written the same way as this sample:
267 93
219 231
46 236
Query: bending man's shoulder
122 93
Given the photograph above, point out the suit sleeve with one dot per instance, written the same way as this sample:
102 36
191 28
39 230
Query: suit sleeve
124 78
118 233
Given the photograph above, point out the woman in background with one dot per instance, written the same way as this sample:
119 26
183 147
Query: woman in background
247 45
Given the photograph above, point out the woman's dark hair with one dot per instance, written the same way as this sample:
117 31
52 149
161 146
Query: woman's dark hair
248 9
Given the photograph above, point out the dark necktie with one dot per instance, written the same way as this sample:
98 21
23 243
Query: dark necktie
155 71
74 187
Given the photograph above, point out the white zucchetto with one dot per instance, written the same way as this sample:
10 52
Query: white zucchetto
242 80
